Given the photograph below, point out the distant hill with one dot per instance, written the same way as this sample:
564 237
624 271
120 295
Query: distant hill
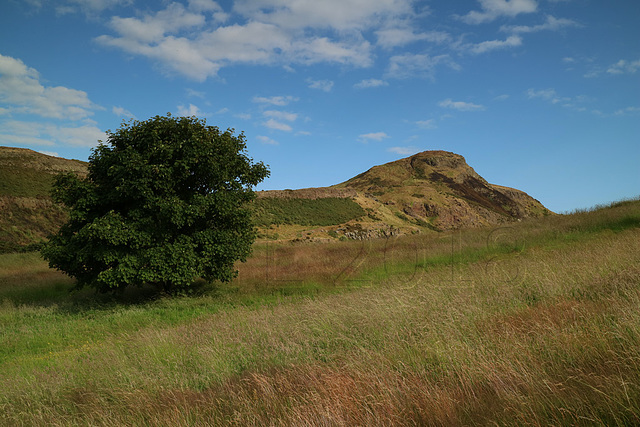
427 192
27 214
432 190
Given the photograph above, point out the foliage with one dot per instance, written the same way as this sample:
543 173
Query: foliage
310 212
165 202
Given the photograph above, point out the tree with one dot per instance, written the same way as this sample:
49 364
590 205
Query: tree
166 201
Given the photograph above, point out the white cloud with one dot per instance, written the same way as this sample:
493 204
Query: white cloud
490 45
460 105
339 15
624 67
191 110
275 100
427 124
85 136
267 140
48 134
274 124
422 65
121 112
370 83
404 151
49 153
550 95
22 92
394 37
492 9
628 111
374 136
551 24
546 94
88 7
281 115
192 40
323 85
195 93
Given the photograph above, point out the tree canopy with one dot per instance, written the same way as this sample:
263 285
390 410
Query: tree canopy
166 201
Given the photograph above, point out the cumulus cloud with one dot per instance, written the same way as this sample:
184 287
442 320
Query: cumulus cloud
274 124
551 24
370 83
275 100
373 136
22 92
17 132
404 151
121 112
624 67
340 15
490 45
281 115
323 85
492 9
394 37
195 42
427 124
88 7
191 110
267 140
550 95
460 105
421 65
546 94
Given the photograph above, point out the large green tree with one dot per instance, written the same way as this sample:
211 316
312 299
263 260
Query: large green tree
166 201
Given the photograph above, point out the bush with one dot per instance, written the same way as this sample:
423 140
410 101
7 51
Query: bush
165 202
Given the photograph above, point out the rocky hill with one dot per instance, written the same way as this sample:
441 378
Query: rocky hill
428 192
432 190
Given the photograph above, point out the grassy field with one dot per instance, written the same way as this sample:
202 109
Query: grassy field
536 323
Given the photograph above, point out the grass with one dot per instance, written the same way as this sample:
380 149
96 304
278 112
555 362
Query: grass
309 212
534 324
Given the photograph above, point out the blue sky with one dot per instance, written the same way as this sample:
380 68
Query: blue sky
540 95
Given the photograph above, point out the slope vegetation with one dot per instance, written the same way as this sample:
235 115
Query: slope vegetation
532 324
27 214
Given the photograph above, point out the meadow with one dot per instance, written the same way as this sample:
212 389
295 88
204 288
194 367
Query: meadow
530 323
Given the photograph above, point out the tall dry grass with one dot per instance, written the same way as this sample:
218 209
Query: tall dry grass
532 325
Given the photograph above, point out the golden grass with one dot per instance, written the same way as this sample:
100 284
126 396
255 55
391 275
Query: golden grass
486 330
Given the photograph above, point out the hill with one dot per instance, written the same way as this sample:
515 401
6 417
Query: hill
27 214
430 191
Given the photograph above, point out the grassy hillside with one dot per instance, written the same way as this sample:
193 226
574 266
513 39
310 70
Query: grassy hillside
26 173
533 323
27 215
310 212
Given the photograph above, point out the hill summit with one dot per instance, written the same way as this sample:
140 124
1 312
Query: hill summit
435 190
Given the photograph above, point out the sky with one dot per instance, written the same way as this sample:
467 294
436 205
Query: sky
539 95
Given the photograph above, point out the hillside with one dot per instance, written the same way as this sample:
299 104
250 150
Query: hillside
27 214
430 191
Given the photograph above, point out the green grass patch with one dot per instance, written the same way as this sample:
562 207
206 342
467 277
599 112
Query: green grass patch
309 212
